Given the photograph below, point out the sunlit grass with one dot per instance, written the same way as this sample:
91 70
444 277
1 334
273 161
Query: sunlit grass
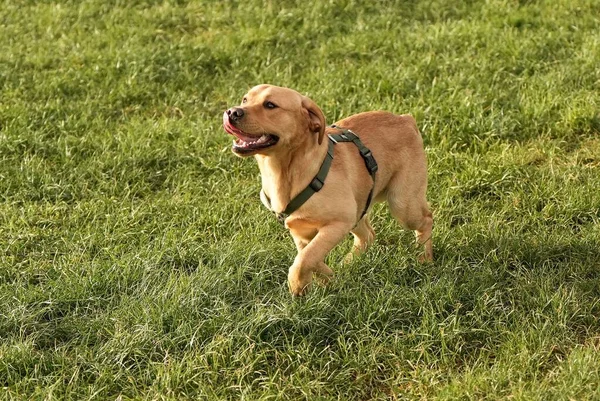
136 261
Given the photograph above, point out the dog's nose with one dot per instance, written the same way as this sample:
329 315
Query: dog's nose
235 113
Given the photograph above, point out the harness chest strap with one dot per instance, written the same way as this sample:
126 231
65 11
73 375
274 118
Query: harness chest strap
315 186
317 183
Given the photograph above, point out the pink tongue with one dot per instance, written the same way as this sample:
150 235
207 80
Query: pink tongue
232 130
244 137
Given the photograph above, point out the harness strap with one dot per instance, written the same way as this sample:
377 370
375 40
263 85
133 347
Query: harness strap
367 155
317 183
315 186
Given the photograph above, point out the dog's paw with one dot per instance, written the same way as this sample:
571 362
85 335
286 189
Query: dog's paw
348 258
425 258
323 274
323 270
299 280
298 290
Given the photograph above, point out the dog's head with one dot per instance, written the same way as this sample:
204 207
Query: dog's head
272 117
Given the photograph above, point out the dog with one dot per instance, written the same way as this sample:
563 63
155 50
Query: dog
287 135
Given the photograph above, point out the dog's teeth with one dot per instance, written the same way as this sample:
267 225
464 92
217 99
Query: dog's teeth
242 143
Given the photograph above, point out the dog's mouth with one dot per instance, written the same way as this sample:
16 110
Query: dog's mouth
244 143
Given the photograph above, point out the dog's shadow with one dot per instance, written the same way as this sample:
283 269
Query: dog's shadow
485 283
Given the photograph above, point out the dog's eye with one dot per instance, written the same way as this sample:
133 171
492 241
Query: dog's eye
270 105
244 100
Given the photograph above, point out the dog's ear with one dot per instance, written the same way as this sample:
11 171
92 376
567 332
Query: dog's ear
316 119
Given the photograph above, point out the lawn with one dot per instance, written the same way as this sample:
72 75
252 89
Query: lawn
137 262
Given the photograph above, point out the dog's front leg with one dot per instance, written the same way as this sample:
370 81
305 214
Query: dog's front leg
310 258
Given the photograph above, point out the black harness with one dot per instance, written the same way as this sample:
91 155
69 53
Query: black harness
317 183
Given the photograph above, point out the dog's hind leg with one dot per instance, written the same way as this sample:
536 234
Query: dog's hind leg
423 234
409 207
364 235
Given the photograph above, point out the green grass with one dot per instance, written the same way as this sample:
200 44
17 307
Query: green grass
136 261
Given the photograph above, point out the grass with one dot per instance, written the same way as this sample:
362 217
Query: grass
136 261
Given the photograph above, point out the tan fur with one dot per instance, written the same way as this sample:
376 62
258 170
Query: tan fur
330 214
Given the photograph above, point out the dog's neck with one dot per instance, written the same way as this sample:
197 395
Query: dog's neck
285 174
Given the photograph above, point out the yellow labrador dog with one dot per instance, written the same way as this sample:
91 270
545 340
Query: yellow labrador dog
286 133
